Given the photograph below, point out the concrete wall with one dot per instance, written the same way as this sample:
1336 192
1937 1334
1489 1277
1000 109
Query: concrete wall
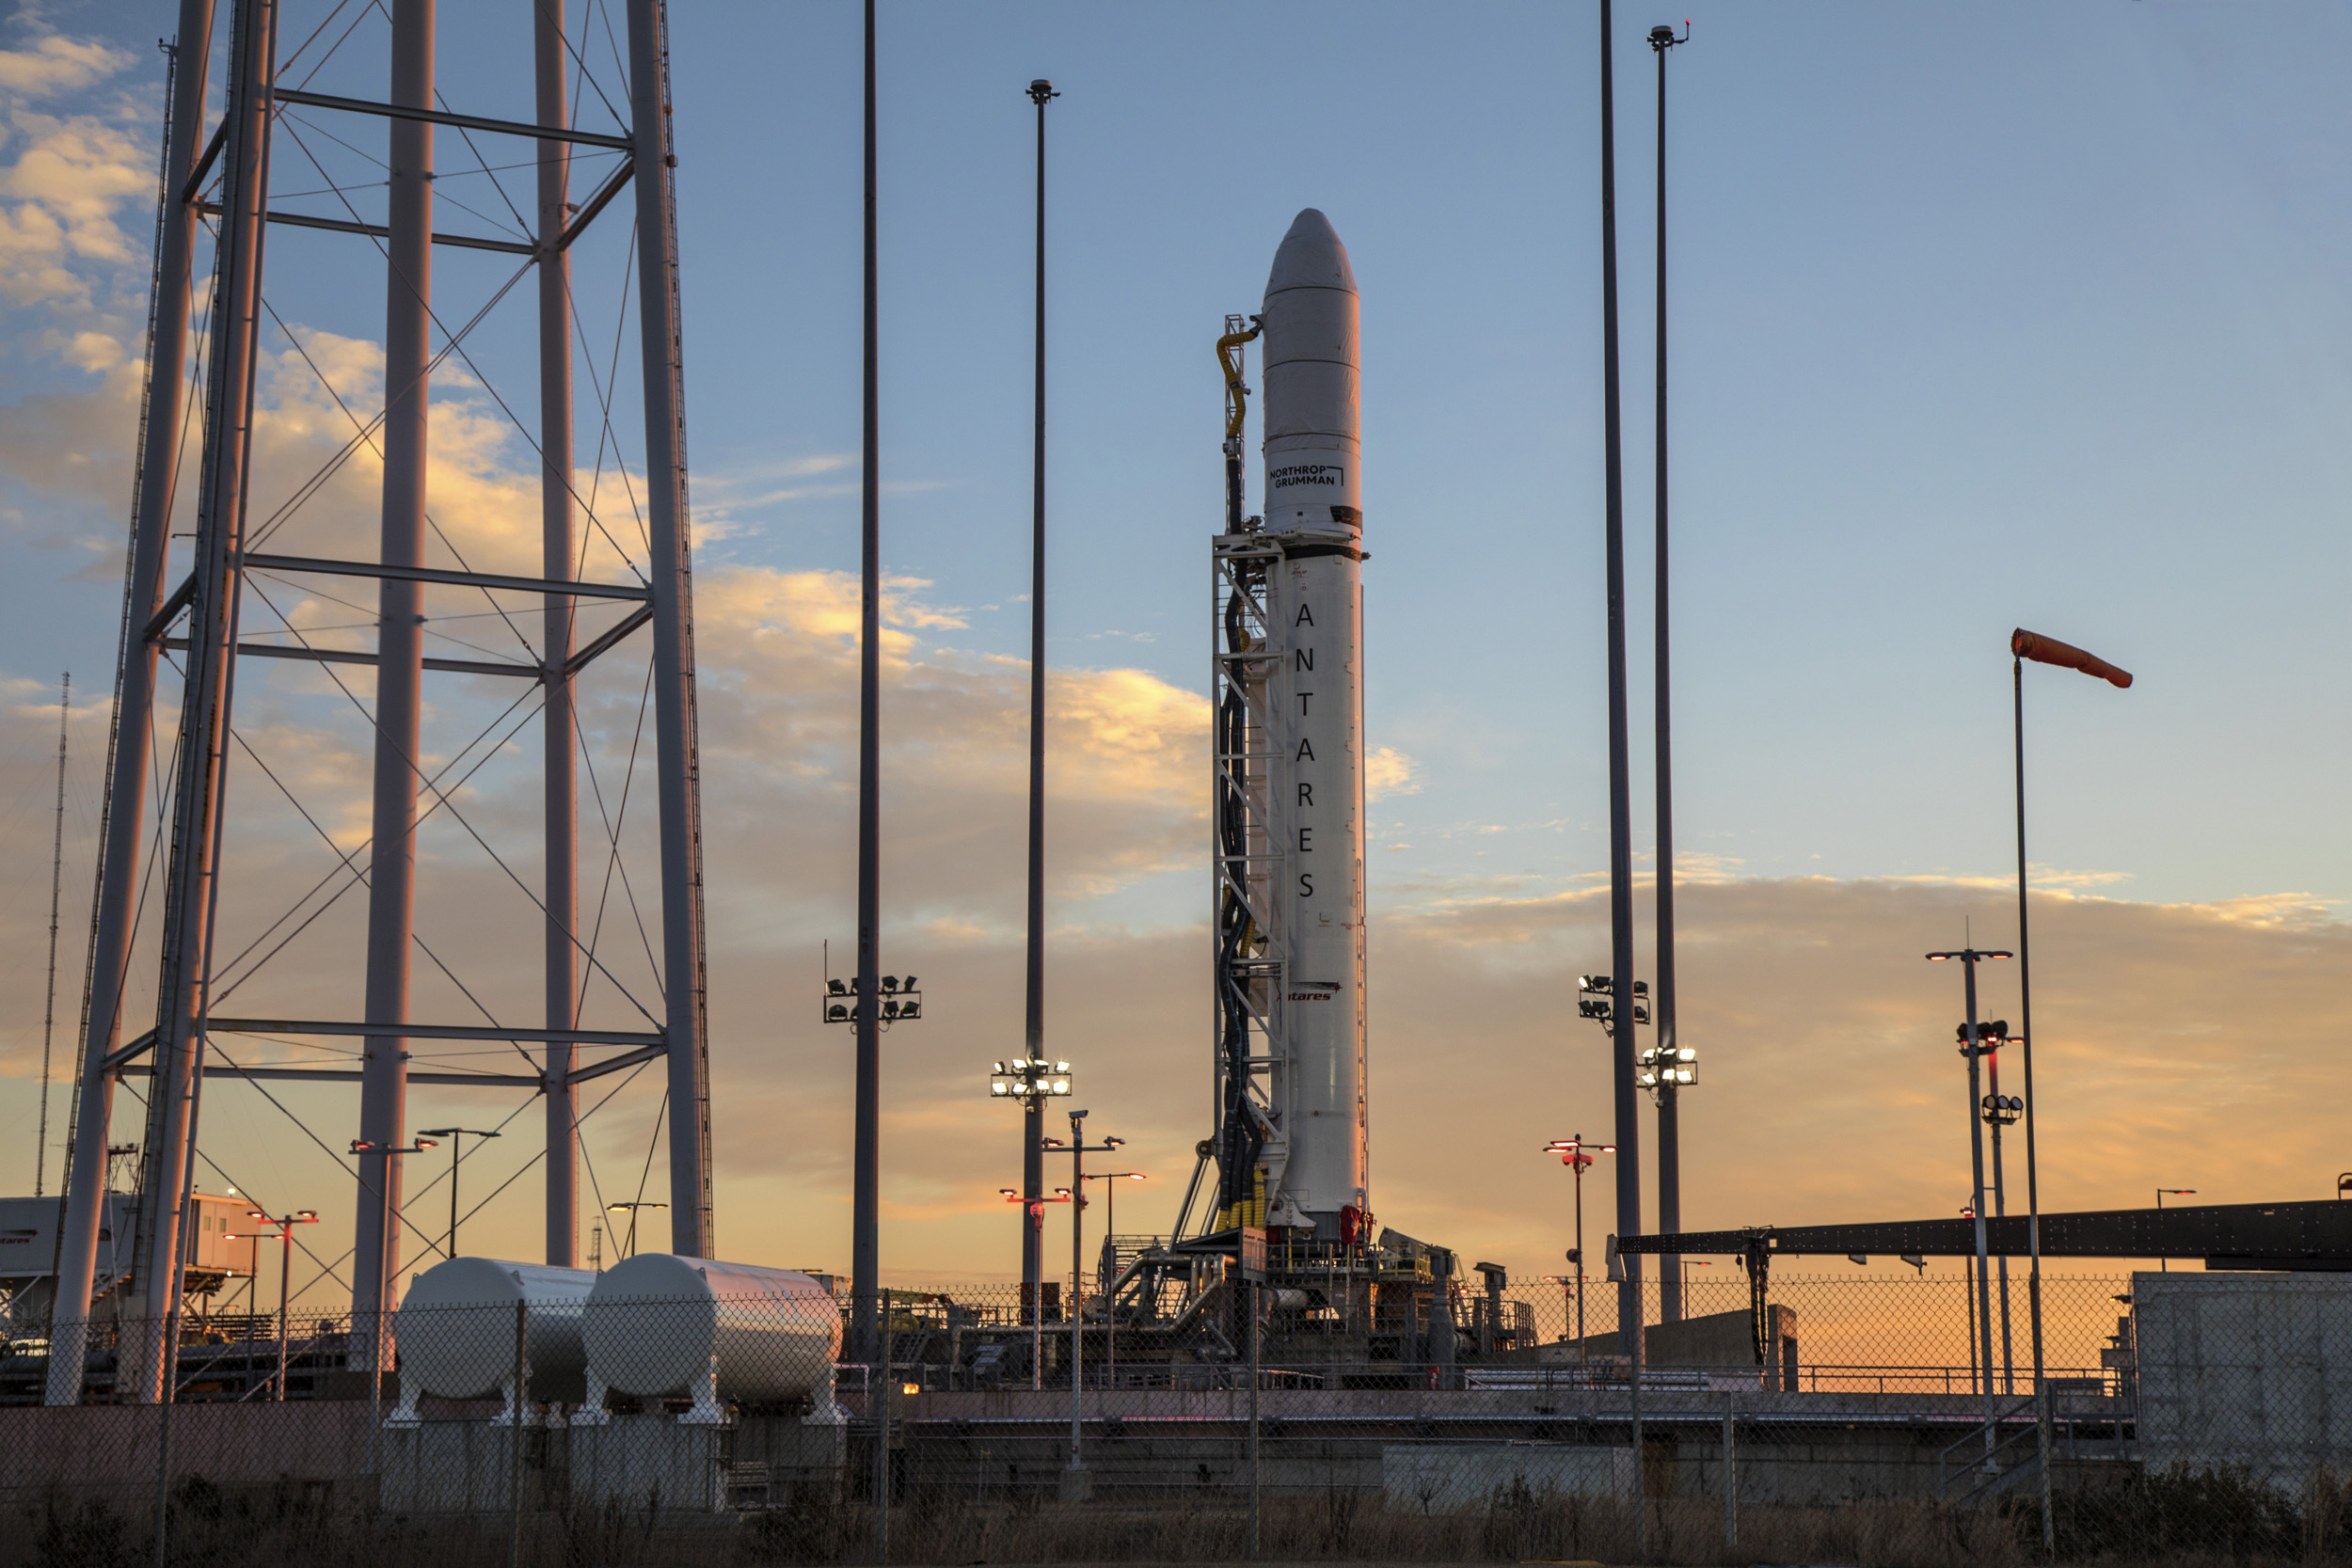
2252 1371
1440 1477
1717 1339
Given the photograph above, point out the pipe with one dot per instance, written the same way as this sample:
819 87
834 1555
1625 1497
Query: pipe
118 878
399 680
671 567
560 789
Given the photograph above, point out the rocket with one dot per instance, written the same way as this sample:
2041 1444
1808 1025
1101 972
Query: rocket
1316 1157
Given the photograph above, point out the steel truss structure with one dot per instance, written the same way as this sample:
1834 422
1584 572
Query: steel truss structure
1251 1145
199 619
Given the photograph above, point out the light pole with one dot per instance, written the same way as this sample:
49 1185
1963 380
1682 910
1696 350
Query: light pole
2164 1265
1075 1474
1624 1099
1567 1296
1033 1120
1571 1151
1667 1093
2022 646
457 1136
285 1224
1033 1206
1998 1110
1030 1081
387 1154
1111 1235
631 1208
1972 1047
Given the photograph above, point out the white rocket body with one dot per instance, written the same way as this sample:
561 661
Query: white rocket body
1316 711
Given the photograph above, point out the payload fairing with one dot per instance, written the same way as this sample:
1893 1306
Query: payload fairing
1293 1134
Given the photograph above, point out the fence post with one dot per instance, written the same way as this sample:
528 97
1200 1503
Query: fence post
1249 1290
879 1402
1633 1362
515 1471
1731 1473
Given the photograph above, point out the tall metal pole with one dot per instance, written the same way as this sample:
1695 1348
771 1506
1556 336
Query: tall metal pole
399 669
1077 1281
670 563
1033 1107
285 1275
56 891
865 1206
1669 1111
2024 1051
1976 1153
1620 785
560 754
118 875
199 787
2000 1205
1584 1353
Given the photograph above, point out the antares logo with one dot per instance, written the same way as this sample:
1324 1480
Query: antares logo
1306 473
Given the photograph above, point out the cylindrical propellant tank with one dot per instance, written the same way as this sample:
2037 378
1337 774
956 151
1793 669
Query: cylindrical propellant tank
1315 712
655 1322
456 1329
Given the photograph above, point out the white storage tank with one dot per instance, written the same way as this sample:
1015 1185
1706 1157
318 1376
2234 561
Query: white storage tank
456 1332
661 1326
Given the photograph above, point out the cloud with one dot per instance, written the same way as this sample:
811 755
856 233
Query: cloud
59 64
1389 771
59 200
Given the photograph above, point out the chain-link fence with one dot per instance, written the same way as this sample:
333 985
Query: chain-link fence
1850 1420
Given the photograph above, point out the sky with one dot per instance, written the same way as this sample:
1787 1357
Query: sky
1983 316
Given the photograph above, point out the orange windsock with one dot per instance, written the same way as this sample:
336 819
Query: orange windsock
2049 650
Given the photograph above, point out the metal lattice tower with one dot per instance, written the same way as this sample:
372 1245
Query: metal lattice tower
226 176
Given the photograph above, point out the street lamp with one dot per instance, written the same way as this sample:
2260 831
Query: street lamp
2164 1265
457 1136
1567 1296
1972 1046
1571 1151
1033 1206
285 1224
386 1153
1079 1149
1997 1111
1110 1242
631 1208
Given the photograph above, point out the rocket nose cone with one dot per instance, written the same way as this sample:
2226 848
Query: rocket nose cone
1310 257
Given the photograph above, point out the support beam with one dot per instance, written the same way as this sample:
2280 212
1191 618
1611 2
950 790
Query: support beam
594 204
2296 1236
615 1064
671 567
431 1031
549 130
608 641
558 543
200 785
400 664
401 571
125 812
347 656
377 230
532 1081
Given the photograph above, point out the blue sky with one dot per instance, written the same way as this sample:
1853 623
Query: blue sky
1985 315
